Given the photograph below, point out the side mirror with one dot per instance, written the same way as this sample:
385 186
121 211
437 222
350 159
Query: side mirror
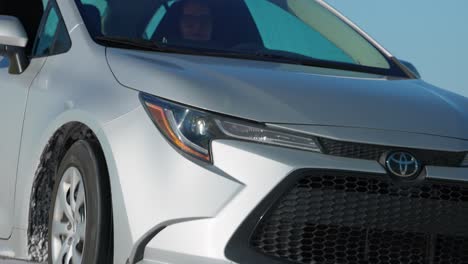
13 41
411 67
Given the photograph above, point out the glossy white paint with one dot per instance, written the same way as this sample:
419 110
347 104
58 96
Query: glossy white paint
14 94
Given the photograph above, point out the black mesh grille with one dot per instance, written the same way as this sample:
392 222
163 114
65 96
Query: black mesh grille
344 218
375 152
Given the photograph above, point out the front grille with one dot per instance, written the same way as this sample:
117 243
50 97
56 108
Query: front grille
375 152
338 217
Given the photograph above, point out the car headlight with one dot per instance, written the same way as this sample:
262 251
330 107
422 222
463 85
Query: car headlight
192 130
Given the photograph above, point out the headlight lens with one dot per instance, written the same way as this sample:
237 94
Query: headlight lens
192 130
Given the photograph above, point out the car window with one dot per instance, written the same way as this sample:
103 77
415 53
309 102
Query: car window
53 36
292 31
101 5
154 22
281 30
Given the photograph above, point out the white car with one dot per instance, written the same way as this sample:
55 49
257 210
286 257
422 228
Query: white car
221 131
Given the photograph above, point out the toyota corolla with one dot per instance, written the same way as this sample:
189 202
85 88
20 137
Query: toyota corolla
221 131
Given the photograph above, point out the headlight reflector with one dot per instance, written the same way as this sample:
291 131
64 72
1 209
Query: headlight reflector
192 130
267 136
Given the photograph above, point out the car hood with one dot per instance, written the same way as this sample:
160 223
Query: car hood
293 94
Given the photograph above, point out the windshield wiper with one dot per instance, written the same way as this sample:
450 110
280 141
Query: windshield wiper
143 44
292 58
138 43
296 58
122 42
262 55
285 56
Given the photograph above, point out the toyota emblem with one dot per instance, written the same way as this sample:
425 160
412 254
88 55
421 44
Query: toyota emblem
402 164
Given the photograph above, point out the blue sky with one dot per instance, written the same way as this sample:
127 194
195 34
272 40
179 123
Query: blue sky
431 34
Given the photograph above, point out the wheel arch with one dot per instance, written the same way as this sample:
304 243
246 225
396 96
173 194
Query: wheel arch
54 144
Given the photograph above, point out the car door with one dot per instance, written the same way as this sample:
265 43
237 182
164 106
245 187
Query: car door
13 97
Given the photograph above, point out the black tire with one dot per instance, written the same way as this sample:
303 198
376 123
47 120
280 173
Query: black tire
88 158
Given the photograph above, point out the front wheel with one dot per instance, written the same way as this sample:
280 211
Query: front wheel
80 220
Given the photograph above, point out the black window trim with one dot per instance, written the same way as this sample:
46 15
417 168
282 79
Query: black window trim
50 4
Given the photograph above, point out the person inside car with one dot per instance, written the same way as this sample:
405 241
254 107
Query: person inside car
196 23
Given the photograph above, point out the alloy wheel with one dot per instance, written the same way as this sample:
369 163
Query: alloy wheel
69 219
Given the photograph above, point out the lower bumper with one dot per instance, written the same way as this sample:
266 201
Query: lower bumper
227 237
258 169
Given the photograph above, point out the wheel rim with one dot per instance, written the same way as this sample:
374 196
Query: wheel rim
69 219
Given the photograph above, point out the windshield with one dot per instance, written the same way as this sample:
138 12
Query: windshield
297 30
